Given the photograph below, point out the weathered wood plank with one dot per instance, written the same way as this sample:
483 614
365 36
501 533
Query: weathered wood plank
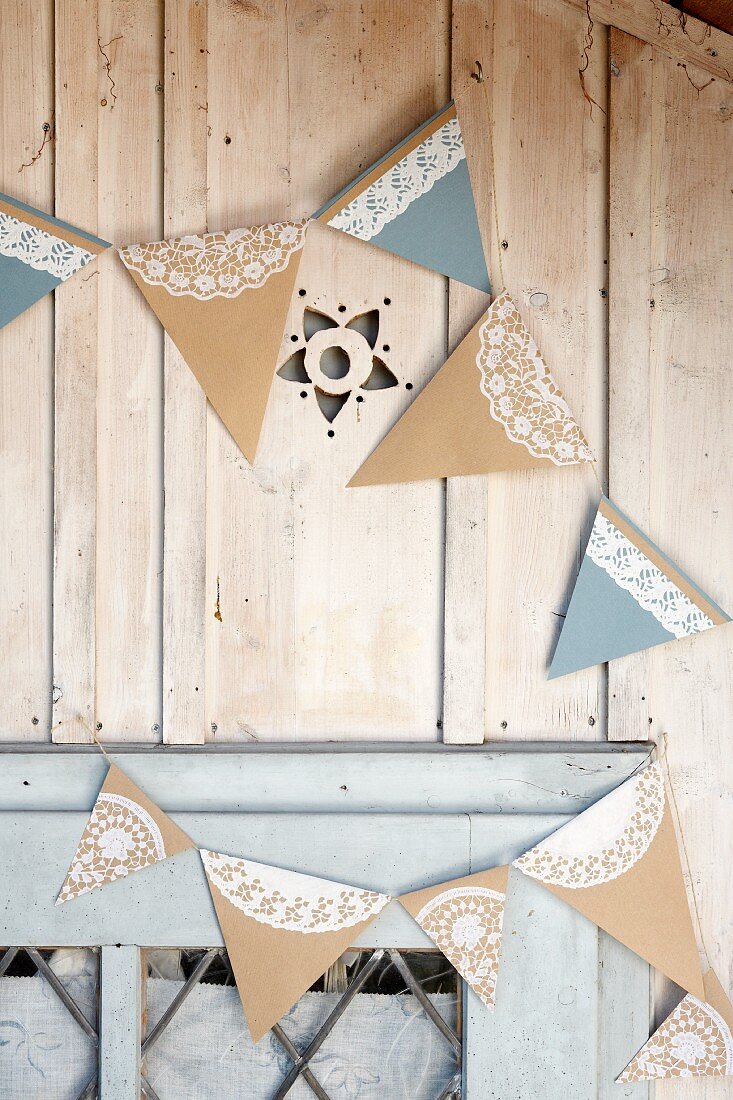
466 504
683 37
129 398
524 777
120 1016
185 415
550 157
75 399
26 397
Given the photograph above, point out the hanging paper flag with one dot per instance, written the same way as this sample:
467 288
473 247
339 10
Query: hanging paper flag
417 202
617 863
463 919
223 299
695 1041
126 832
628 596
493 405
37 252
282 930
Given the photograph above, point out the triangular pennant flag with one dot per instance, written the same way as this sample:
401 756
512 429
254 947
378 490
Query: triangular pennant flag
617 863
223 298
493 405
37 252
417 202
628 596
463 919
126 832
282 930
696 1040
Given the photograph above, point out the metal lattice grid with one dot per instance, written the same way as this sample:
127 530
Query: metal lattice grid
416 973
27 961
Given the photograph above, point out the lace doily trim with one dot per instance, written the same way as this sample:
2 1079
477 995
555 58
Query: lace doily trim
652 590
694 1041
40 250
521 392
465 923
217 265
624 824
288 900
412 176
120 837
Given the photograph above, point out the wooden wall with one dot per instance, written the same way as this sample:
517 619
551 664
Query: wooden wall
156 588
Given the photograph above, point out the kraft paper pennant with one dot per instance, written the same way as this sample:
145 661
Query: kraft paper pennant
628 596
417 202
694 1041
37 252
617 863
463 919
126 832
493 405
282 930
223 298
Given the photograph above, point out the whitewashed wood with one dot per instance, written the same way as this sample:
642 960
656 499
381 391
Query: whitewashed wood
26 361
674 140
185 604
129 397
75 375
550 177
688 40
306 778
330 600
120 1016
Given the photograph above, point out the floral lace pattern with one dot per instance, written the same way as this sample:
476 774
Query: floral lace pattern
120 837
604 841
40 250
413 176
286 899
652 590
217 265
521 392
465 923
694 1041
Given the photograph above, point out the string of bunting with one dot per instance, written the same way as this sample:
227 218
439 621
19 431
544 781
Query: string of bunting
617 863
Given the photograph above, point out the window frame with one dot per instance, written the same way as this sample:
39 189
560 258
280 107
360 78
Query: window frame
333 810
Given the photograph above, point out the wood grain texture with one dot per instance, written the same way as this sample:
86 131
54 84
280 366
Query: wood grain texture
681 36
75 396
185 408
670 386
550 182
129 399
26 358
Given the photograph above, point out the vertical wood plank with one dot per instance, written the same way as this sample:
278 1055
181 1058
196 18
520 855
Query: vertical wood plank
120 1014
184 542
669 139
466 504
26 396
129 399
330 600
75 397
551 193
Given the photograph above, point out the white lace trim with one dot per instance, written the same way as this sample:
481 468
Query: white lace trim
286 899
390 195
217 265
694 1041
521 392
40 250
120 837
465 923
605 840
652 589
